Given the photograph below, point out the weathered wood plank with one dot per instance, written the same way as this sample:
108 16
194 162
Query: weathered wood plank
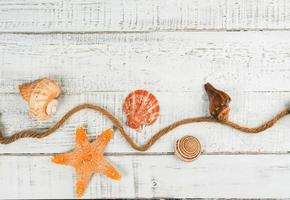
246 61
247 108
142 15
243 176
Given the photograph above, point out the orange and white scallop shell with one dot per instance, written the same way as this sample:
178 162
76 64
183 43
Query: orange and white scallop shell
142 109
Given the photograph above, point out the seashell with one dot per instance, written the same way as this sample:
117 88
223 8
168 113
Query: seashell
218 102
142 108
187 148
41 96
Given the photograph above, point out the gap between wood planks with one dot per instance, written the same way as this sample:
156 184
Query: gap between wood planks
155 154
160 91
149 31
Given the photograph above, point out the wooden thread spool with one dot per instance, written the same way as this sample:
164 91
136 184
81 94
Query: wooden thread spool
187 148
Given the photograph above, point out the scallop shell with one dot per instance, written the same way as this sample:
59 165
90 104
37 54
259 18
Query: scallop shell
142 108
41 96
188 148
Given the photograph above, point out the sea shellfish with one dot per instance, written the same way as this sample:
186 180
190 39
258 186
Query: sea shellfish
187 148
142 108
41 96
218 102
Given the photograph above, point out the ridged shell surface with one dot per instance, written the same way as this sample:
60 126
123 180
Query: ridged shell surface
142 108
188 148
41 96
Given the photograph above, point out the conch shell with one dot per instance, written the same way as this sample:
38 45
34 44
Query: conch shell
218 102
41 96
187 148
142 108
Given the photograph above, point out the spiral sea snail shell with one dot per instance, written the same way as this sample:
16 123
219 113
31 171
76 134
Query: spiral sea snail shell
41 96
187 148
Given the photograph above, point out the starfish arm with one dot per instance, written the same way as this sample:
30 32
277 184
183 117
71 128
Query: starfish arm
87 158
109 170
103 139
81 137
83 178
64 158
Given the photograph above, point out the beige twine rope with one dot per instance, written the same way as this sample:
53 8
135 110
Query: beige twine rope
119 126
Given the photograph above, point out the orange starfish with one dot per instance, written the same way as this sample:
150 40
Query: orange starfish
87 158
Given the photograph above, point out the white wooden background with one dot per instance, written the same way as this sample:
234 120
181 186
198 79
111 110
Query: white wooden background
100 50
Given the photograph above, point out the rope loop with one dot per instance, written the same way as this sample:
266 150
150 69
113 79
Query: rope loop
120 127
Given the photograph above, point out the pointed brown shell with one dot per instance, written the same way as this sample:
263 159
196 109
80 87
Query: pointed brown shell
41 96
218 102
142 108
187 148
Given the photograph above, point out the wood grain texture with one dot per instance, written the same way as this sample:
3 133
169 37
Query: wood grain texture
213 176
142 15
101 50
176 62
